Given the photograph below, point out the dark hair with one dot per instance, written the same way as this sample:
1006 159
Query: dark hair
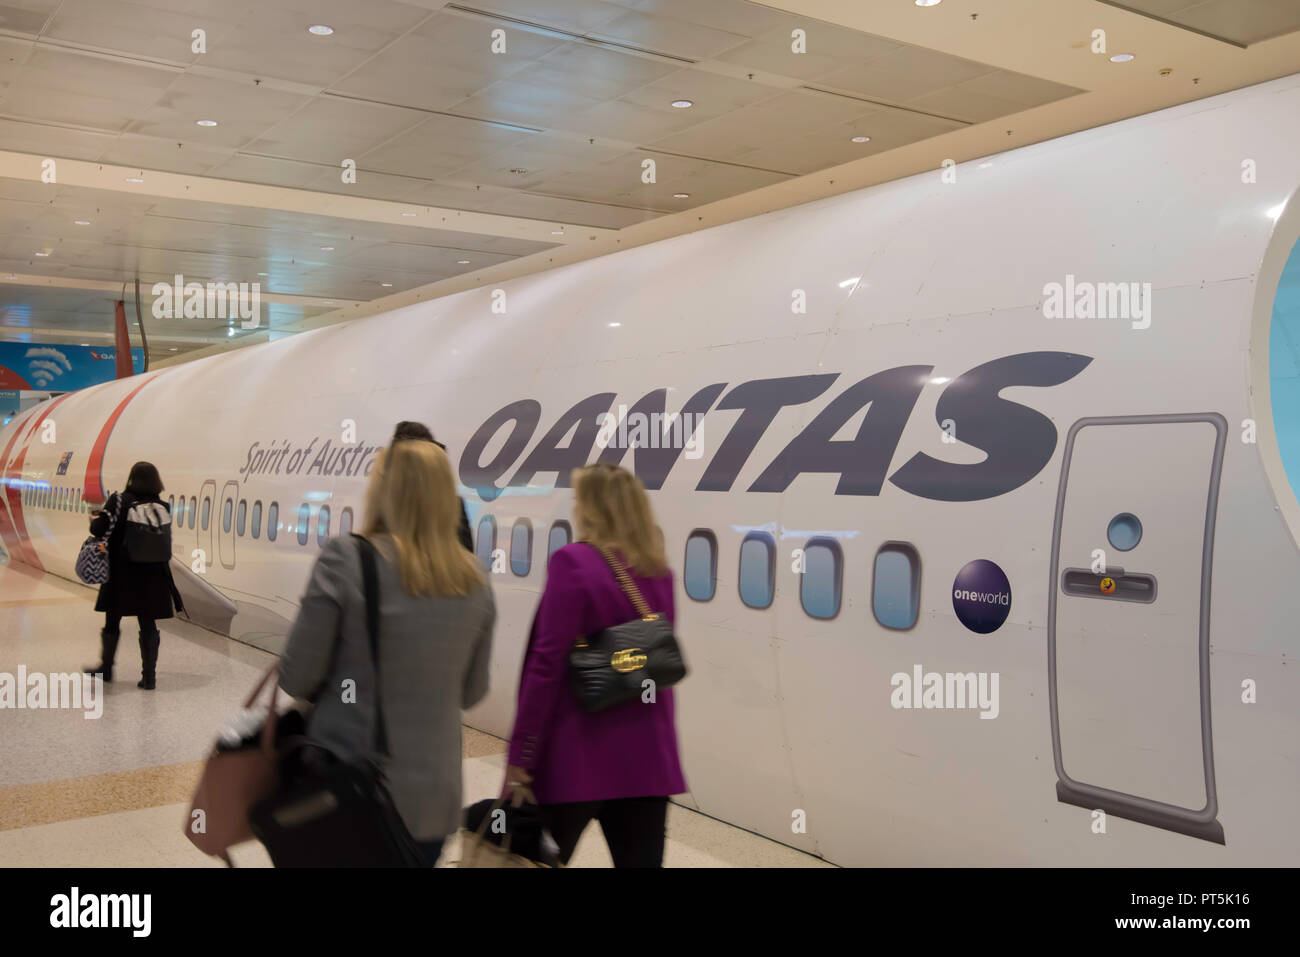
414 431
411 430
144 480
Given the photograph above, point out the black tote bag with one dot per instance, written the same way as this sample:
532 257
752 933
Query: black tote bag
332 812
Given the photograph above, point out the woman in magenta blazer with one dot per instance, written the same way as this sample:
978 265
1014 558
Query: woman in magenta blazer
619 765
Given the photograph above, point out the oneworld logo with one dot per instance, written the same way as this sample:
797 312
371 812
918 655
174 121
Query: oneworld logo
133 911
931 689
213 300
1100 300
986 597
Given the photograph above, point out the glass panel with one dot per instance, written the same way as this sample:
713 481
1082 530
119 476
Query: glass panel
304 519
323 525
819 585
207 511
521 547
345 522
757 569
700 572
272 521
487 541
895 586
559 536
227 508
241 517
257 519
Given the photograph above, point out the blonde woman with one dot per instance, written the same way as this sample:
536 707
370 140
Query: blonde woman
435 639
618 765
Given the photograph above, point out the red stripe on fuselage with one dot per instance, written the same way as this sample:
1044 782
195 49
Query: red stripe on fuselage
94 483
14 530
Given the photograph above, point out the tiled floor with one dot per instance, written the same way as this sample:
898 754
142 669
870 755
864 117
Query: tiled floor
114 791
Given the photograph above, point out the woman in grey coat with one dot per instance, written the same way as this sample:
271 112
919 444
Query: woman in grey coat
435 640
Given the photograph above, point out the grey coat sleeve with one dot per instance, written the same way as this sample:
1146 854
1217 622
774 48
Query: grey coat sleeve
304 666
476 676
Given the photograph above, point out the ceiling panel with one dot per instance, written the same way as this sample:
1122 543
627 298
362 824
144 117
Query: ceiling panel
1238 21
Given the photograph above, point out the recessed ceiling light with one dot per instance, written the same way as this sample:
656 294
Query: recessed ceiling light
385 284
320 30
327 249
408 214
557 232
462 262
862 139
42 254
927 3
615 325
1121 58
205 122
82 222
681 195
683 104
134 179
172 349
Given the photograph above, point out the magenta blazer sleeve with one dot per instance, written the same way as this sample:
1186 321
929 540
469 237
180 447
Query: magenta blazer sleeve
559 622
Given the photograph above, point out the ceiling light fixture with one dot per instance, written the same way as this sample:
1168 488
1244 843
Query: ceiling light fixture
320 30
205 122
408 214
557 232
42 254
327 249
386 284
683 104
861 139
134 179
681 195
1121 58
462 262
615 325
928 3
82 222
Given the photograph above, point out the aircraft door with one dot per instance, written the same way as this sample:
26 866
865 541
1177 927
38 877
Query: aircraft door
1129 619
226 528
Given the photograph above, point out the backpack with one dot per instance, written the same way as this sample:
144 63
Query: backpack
147 533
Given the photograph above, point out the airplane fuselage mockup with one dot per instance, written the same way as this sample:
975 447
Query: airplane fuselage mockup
975 488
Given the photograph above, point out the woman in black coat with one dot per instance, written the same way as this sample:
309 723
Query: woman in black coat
144 590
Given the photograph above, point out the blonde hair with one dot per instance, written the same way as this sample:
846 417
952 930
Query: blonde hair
611 509
412 500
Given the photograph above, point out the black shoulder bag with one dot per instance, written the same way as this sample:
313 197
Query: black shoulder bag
329 812
610 666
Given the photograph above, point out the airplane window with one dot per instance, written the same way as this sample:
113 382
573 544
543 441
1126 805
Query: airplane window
193 510
757 569
257 519
560 535
304 519
207 512
345 522
323 525
226 509
272 521
171 504
241 516
700 571
896 586
821 581
487 540
180 512
521 547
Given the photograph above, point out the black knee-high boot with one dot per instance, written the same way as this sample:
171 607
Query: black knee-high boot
107 652
149 641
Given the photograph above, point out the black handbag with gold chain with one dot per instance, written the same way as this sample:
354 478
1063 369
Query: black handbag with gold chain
611 666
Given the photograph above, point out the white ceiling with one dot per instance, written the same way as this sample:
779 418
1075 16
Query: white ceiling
498 157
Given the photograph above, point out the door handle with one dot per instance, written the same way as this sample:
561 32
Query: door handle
1115 585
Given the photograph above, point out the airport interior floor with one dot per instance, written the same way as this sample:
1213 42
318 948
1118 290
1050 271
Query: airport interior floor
114 791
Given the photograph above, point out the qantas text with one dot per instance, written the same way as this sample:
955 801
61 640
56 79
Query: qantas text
1017 440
